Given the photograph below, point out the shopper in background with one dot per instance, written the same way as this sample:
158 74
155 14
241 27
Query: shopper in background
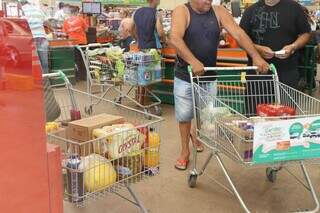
148 32
106 11
310 18
161 15
36 20
275 25
75 27
60 15
46 10
147 28
195 32
125 29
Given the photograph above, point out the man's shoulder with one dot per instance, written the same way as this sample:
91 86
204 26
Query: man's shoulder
253 6
142 11
291 3
182 8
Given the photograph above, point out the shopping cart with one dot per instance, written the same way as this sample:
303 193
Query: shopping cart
109 78
117 156
227 123
100 74
142 71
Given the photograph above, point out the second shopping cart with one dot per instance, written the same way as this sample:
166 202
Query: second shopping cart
126 77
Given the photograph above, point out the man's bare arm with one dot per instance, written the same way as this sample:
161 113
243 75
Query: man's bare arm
160 30
301 41
242 38
178 26
134 31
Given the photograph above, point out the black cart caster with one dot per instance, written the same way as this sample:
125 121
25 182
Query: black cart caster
192 180
271 174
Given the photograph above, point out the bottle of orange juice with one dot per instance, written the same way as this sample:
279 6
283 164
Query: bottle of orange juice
152 152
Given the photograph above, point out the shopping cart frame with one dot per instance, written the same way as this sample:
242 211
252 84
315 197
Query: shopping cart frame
152 120
215 151
117 86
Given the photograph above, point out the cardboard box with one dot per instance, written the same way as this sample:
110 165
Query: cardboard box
82 149
81 130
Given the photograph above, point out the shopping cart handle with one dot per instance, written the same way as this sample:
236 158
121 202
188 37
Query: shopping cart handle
273 69
230 68
225 68
59 73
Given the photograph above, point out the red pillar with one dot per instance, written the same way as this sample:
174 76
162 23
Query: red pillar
24 179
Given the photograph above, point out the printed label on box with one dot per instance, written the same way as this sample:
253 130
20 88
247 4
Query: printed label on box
284 140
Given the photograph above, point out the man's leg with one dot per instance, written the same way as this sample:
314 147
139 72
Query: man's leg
184 128
184 115
42 45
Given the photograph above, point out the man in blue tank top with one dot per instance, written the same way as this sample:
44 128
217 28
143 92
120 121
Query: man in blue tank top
148 32
148 29
195 34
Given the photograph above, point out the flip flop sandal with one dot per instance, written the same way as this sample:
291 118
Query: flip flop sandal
200 148
181 164
198 145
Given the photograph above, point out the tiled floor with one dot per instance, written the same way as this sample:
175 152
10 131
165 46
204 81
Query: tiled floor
169 192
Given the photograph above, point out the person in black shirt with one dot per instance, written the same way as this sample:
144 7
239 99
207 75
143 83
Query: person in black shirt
275 25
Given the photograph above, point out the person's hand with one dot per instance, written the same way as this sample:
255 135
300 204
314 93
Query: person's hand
266 52
289 50
197 68
263 66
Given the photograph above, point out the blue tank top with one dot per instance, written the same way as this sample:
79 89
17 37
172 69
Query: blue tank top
145 19
202 38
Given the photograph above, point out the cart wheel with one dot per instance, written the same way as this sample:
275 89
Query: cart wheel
271 174
117 100
192 180
88 110
157 110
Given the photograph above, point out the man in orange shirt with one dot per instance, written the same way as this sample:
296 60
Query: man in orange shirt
75 27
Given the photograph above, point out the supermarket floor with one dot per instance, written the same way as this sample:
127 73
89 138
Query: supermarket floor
169 191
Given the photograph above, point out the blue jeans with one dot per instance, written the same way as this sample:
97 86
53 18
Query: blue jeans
42 45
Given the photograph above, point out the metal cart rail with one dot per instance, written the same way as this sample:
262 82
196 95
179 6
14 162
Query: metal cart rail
110 87
237 93
116 157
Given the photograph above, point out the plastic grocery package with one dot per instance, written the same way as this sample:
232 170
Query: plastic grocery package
98 172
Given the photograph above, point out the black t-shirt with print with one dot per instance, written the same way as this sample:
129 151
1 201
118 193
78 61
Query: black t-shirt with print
276 27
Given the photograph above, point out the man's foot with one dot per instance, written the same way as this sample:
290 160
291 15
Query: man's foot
197 144
199 147
181 164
